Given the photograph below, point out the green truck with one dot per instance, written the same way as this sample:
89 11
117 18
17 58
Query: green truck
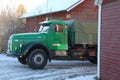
56 39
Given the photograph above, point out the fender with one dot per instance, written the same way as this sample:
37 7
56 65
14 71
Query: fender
33 45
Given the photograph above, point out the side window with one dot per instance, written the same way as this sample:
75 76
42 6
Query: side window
66 27
57 28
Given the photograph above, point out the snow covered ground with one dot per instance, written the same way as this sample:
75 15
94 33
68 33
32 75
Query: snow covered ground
11 69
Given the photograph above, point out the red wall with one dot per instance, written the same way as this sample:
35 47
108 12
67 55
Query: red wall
32 23
110 41
85 12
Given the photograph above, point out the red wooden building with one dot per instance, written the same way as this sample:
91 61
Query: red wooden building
82 10
110 40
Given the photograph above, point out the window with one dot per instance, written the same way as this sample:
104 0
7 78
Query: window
43 28
57 28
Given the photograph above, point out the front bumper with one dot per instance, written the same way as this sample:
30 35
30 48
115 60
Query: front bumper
13 54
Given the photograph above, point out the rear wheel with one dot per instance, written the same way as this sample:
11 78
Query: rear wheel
37 59
22 60
93 60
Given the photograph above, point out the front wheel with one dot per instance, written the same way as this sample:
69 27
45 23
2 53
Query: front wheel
37 59
22 60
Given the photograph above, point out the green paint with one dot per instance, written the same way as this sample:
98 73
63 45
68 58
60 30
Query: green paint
56 35
54 40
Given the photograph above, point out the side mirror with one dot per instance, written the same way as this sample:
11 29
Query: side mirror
59 28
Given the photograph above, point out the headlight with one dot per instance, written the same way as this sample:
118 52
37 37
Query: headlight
21 45
9 45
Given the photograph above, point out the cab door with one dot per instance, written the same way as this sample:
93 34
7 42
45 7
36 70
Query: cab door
58 36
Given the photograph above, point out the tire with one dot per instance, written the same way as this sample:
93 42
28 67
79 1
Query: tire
37 59
22 60
93 60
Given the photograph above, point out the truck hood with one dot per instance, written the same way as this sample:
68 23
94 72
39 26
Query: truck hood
29 36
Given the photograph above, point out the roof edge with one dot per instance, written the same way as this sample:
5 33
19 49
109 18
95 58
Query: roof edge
22 17
74 5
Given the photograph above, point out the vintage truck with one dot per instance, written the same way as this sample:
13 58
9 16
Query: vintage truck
56 39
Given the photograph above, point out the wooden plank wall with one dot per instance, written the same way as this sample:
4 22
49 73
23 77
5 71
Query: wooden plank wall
110 41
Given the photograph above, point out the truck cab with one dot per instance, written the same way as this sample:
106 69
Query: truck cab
56 39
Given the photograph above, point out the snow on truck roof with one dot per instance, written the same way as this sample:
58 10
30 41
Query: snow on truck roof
52 6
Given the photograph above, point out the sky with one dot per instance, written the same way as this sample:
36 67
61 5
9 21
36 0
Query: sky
28 4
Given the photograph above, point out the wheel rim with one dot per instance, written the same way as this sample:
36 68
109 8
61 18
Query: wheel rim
38 59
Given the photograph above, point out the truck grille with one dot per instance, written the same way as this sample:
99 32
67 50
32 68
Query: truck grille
9 45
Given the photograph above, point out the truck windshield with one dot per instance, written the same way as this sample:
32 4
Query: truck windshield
43 28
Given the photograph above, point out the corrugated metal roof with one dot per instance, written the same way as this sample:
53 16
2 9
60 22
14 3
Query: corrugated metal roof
51 6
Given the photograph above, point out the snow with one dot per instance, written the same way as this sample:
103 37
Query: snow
51 6
11 69
90 77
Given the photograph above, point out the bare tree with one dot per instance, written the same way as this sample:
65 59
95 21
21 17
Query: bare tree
9 24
